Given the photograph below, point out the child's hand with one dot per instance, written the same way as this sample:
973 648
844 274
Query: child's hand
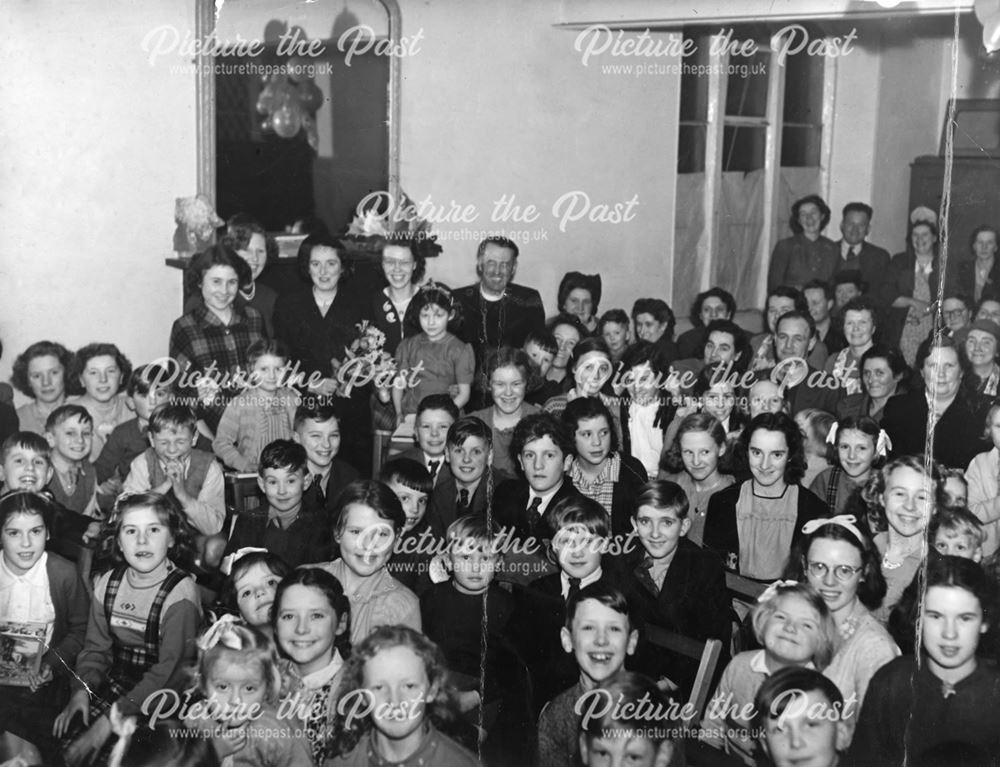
231 741
92 532
79 703
86 747
43 677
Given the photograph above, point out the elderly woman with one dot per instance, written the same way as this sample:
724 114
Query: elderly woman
807 254
40 372
216 334
883 376
909 288
579 295
980 276
958 433
318 324
840 561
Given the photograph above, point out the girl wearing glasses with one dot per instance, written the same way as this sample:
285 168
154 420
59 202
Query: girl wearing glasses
842 564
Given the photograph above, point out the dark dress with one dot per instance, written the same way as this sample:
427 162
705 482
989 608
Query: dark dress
314 340
957 436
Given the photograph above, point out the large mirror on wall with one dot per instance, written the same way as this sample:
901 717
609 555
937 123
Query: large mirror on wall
300 129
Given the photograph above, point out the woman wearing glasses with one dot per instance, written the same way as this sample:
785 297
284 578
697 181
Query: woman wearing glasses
403 264
842 564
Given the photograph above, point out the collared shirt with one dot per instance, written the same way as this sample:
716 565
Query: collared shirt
594 577
321 676
532 495
850 252
27 598
602 487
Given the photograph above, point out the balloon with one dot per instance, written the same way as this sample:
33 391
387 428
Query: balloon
286 121
986 8
300 69
310 97
991 33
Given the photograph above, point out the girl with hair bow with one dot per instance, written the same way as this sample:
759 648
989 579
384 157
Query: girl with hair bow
857 445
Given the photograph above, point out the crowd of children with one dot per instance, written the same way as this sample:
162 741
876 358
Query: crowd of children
495 593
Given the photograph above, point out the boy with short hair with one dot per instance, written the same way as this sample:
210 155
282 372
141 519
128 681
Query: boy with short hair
957 532
435 415
414 547
25 462
148 387
579 534
599 634
542 450
69 430
174 466
317 429
463 490
452 611
284 524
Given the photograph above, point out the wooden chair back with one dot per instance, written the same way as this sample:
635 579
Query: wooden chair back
705 652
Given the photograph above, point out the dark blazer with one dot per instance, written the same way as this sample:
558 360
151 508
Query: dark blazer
521 309
306 541
72 607
721 532
872 262
957 436
510 507
693 601
341 475
899 281
631 477
443 503
963 280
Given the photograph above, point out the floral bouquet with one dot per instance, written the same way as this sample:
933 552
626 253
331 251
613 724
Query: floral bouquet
366 361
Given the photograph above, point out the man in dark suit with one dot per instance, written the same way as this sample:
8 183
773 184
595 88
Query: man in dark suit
803 386
856 253
495 311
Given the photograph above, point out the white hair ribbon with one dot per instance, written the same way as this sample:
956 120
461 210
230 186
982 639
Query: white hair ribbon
228 562
772 591
221 631
847 521
831 437
883 445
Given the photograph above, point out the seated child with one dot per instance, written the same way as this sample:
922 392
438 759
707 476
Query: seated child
470 479
317 429
799 717
673 584
284 524
38 587
815 426
613 327
941 707
794 625
143 621
25 462
263 413
101 369
955 531
69 432
434 360
239 682
416 545
311 622
369 520
541 347
632 730
599 634
435 415
579 534
398 721
252 578
452 613
174 467
147 389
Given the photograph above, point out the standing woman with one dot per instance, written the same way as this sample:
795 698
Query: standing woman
318 324
980 277
217 333
909 290
40 373
753 525
807 254
403 264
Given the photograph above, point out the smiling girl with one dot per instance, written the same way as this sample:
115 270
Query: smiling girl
369 519
102 370
754 524
143 621
859 446
41 372
942 708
